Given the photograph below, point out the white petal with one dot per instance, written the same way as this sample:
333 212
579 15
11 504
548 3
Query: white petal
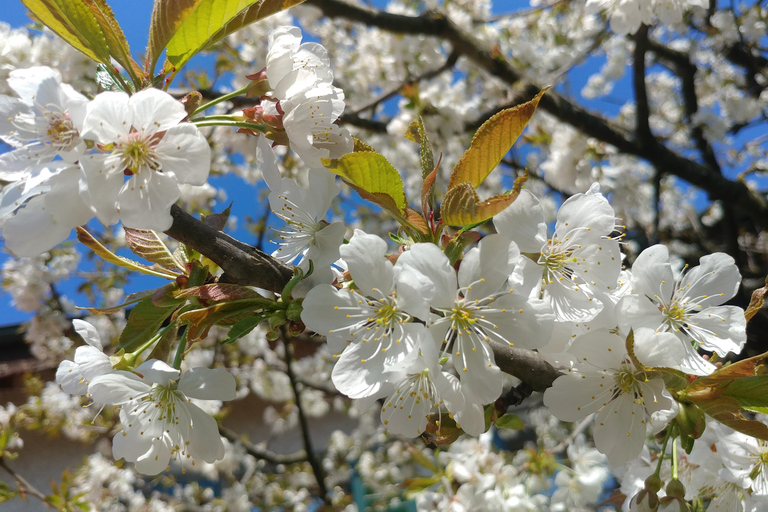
652 274
266 162
620 430
184 152
369 268
100 188
721 329
117 387
430 261
156 459
208 384
158 372
71 380
107 117
585 216
88 333
486 267
155 111
204 439
146 204
713 282
523 222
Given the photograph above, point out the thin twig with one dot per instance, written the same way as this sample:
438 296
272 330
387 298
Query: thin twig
260 453
581 427
448 64
317 468
24 486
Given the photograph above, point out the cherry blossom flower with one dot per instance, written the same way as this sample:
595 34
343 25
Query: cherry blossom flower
476 307
418 385
369 325
603 380
159 421
305 234
688 306
578 264
302 81
90 361
140 138
43 123
47 206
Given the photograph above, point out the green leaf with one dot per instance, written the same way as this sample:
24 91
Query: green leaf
242 328
462 206
6 493
50 14
89 241
727 411
143 322
210 21
491 142
749 391
217 292
227 313
417 134
167 17
114 37
146 243
510 421
373 177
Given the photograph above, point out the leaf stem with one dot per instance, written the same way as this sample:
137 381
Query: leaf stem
662 452
225 97
202 121
180 351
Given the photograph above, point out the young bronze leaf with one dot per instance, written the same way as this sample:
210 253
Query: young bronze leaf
417 134
463 207
373 174
167 17
113 34
228 313
757 301
491 142
727 411
745 368
87 239
212 20
218 292
51 15
131 299
146 243
417 220
749 391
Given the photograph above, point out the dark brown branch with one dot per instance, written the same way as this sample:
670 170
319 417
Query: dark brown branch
643 111
662 157
260 453
242 264
526 365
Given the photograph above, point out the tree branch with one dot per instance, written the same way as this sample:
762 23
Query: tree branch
526 365
262 454
317 468
437 25
24 486
242 264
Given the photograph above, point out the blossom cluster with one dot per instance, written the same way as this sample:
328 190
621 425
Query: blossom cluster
116 157
410 329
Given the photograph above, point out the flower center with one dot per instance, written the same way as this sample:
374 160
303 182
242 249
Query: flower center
138 152
556 262
61 133
627 381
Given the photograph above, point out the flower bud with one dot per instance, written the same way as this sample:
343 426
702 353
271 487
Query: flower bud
647 500
675 499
